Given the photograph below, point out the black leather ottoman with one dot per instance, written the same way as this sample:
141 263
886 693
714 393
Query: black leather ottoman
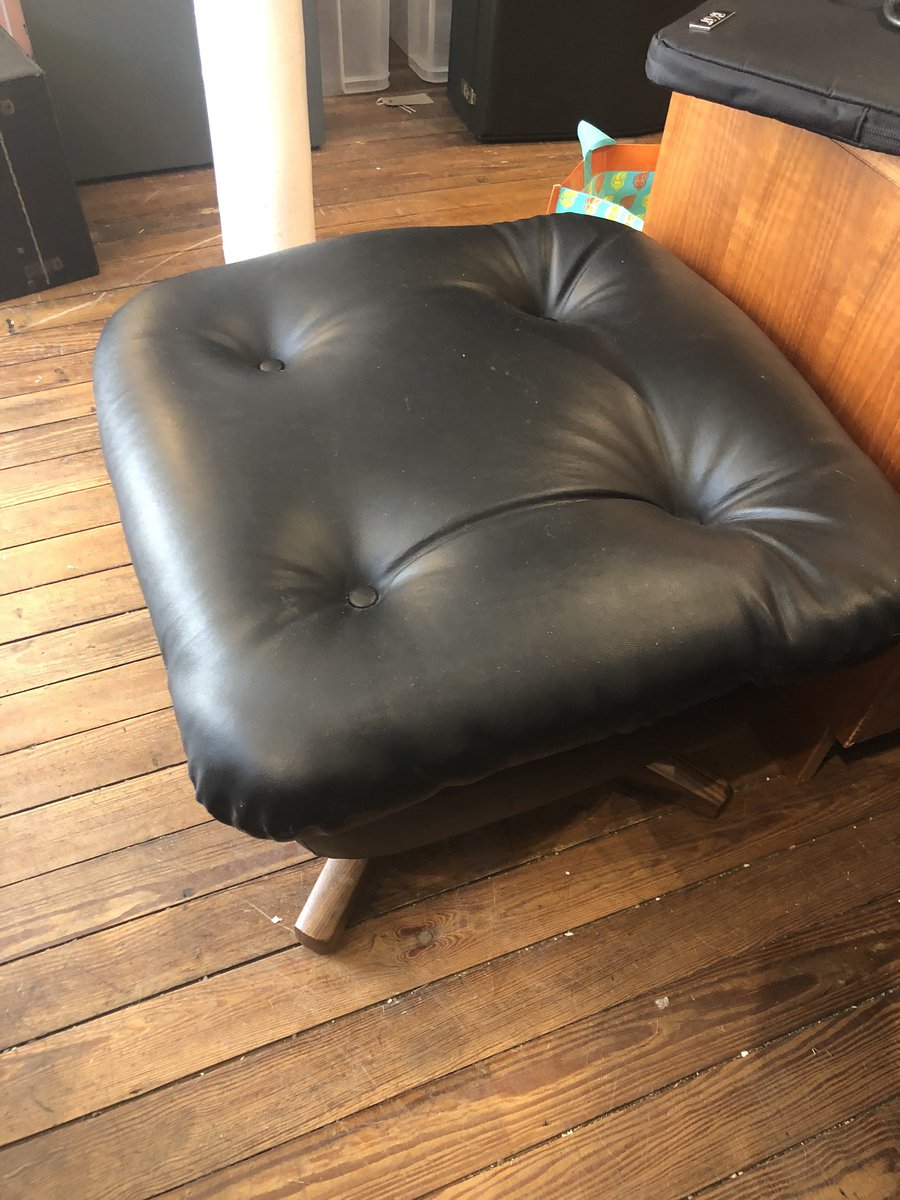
424 515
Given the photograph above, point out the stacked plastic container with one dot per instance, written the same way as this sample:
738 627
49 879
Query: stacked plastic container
421 28
353 42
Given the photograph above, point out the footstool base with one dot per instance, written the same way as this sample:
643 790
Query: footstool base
324 915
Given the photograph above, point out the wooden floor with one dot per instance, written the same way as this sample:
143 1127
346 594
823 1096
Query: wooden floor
610 1000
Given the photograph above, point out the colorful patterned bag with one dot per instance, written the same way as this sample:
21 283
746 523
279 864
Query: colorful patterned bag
612 181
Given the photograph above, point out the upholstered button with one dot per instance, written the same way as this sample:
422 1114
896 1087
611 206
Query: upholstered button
362 596
271 364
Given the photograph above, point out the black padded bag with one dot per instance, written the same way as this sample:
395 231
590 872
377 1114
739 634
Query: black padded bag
832 66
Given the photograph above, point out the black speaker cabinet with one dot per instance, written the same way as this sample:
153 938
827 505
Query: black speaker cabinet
528 70
44 240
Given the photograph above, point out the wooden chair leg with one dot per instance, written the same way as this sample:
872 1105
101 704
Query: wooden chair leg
324 914
698 790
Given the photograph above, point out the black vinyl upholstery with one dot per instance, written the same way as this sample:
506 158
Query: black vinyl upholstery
498 492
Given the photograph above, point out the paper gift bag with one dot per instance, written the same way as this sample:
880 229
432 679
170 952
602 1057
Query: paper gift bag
612 181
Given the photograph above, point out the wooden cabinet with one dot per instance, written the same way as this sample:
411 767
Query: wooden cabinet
803 233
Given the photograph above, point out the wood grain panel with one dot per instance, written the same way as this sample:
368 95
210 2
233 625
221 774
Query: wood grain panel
805 237
803 234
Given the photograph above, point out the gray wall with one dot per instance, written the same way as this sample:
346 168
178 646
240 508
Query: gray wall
124 79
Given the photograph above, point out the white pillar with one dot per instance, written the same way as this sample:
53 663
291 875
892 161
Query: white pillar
254 74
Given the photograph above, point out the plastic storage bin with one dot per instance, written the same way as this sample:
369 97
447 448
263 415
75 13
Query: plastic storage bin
421 28
353 45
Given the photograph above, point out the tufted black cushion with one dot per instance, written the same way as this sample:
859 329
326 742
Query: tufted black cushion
414 506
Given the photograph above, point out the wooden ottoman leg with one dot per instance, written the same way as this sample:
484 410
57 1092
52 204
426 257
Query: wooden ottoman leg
321 922
699 791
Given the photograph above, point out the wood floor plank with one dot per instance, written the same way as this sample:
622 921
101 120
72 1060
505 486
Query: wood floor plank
461 185
73 901
498 915
411 206
855 1161
38 481
528 202
404 164
668 1146
396 144
50 658
189 205
38 520
135 261
47 713
150 235
442 126
423 1139
21 447
46 407
83 761
418 169
51 373
57 561
213 933
145 247
45 345
54 312
161 229
761 821
444 1028
83 827
127 259
156 250
430 184
71 601
138 193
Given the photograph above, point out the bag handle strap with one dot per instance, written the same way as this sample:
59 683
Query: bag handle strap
591 138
